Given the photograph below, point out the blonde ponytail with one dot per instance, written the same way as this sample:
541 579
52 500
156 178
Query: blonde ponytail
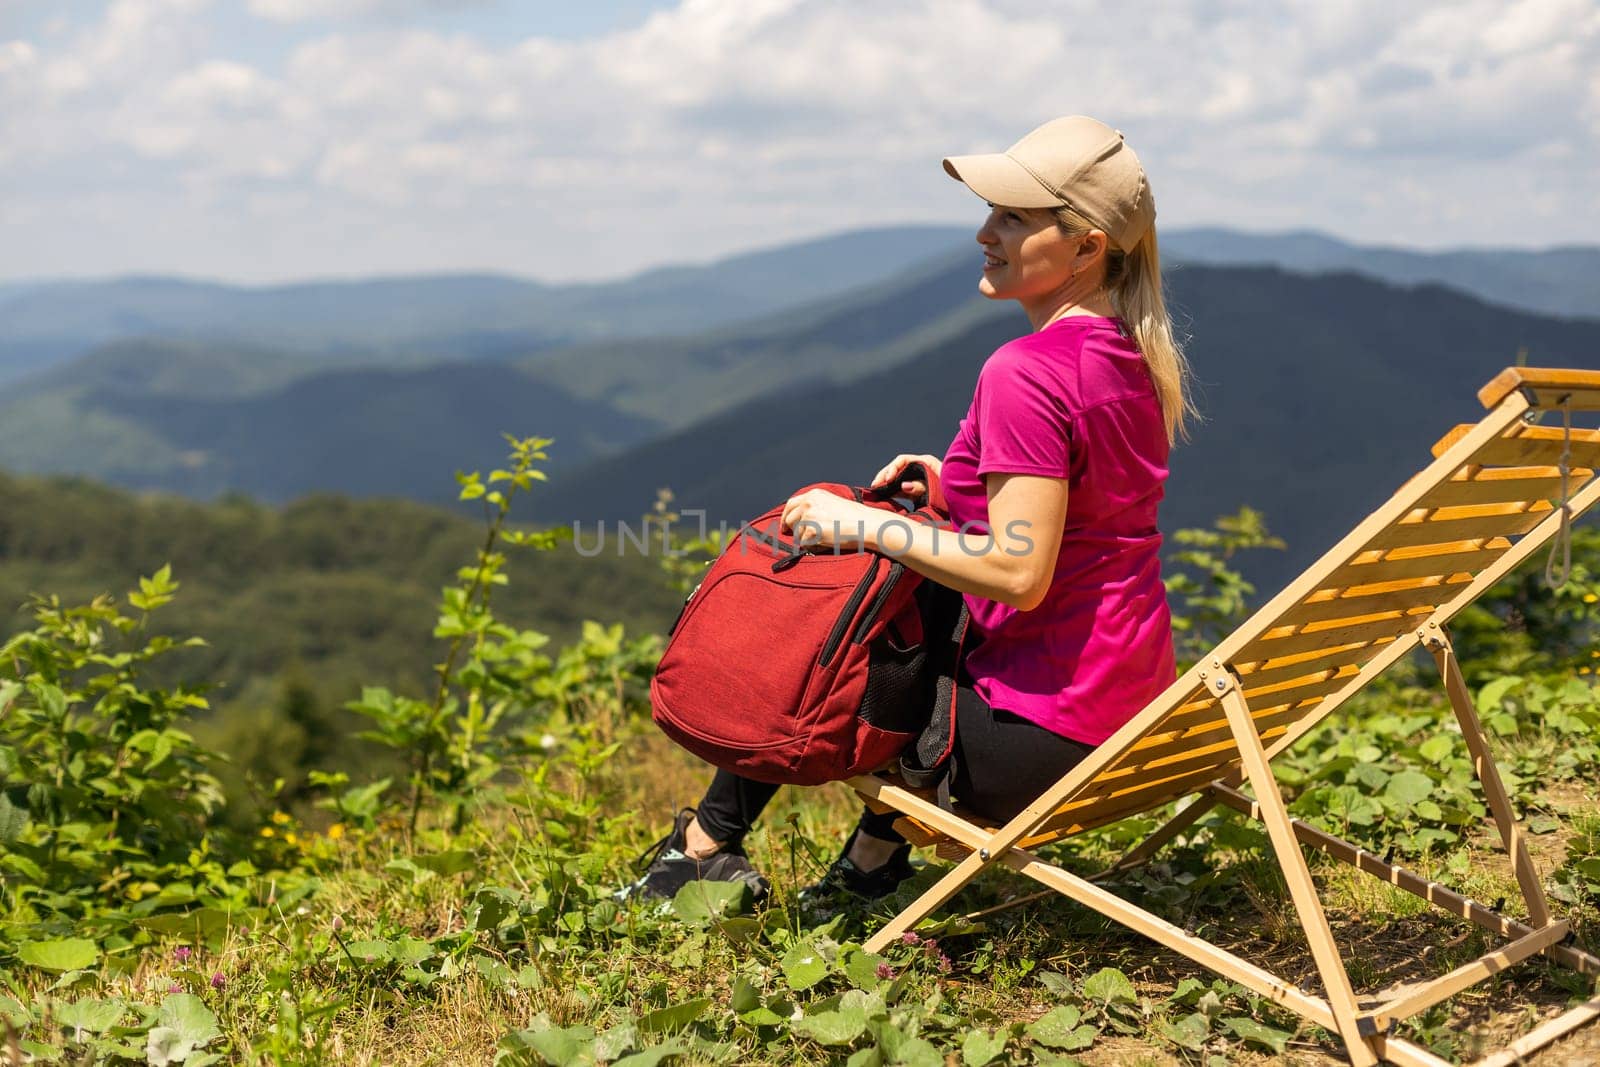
1133 280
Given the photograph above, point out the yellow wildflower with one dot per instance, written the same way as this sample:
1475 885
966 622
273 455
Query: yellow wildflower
291 838
336 831
1590 598
280 818
266 831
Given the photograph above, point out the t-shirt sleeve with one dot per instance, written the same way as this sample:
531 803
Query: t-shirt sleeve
1024 426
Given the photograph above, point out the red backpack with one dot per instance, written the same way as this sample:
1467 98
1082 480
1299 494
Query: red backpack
798 665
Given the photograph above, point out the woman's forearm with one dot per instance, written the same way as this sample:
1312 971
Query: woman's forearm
993 567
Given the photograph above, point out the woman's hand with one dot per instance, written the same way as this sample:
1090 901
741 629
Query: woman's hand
914 487
820 519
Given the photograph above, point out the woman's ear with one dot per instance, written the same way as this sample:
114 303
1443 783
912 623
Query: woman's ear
1091 249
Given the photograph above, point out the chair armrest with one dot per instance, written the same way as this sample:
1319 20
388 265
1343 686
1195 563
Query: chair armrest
1544 387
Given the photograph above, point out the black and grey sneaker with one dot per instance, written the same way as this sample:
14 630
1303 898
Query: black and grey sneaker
845 884
666 869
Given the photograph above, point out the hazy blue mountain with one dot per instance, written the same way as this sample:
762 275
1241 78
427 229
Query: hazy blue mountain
680 381
430 319
1321 396
1560 281
375 432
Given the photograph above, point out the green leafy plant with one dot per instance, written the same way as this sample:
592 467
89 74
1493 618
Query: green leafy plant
103 795
454 742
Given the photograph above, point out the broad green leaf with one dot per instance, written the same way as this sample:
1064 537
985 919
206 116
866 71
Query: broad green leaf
1058 1028
980 1047
1059 984
90 1014
68 954
492 905
164 1045
1189 1032
1490 696
1109 985
867 1057
13 820
1409 787
702 903
831 1027
189 1016
616 1041
1187 990
447 863
1436 748
916 1052
862 968
804 966
562 1047
411 951
372 950
746 997
1258 1033
653 1056
675 1017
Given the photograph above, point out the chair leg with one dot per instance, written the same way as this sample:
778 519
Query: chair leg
1494 790
1335 979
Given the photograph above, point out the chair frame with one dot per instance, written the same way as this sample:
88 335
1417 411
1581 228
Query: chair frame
1365 1025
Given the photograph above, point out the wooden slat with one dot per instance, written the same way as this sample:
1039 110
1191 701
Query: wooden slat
1425 995
1457 432
1192 726
1451 531
1100 810
1540 445
1457 559
1489 488
1202 738
1363 632
1422 594
1211 747
1322 664
1544 387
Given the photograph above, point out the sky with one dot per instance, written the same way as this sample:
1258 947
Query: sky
267 140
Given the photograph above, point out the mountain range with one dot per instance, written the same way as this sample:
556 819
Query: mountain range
735 381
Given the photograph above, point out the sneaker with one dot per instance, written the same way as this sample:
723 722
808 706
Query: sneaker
845 884
666 869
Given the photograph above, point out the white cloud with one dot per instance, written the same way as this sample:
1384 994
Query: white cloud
726 123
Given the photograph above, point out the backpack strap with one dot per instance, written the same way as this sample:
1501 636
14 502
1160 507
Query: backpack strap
945 621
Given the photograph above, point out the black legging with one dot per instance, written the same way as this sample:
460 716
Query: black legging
1000 764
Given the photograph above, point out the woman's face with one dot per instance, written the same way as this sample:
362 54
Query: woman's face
1025 254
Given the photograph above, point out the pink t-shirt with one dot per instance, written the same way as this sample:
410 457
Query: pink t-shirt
1073 401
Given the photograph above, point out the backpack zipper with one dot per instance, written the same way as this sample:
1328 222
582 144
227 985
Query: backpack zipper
836 635
896 569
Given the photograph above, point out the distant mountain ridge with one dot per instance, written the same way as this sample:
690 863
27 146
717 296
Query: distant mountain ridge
1557 281
433 319
411 321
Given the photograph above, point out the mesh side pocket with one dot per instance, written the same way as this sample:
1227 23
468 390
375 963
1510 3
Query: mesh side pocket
899 691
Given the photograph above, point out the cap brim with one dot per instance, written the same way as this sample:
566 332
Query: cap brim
999 179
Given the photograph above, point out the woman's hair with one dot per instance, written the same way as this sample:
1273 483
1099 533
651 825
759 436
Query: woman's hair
1134 281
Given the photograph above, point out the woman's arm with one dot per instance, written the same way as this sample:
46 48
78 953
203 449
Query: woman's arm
1014 567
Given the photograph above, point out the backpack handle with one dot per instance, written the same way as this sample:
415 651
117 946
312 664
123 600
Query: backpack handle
910 472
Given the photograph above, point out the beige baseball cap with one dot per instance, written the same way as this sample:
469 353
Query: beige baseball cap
1075 161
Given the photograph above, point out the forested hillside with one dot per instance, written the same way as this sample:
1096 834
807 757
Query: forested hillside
301 605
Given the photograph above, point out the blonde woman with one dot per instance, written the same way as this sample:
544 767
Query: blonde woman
1053 479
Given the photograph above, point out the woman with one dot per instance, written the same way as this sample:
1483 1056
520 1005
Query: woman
1053 481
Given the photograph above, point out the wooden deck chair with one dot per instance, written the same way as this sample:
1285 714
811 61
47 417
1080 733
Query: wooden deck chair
1496 491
